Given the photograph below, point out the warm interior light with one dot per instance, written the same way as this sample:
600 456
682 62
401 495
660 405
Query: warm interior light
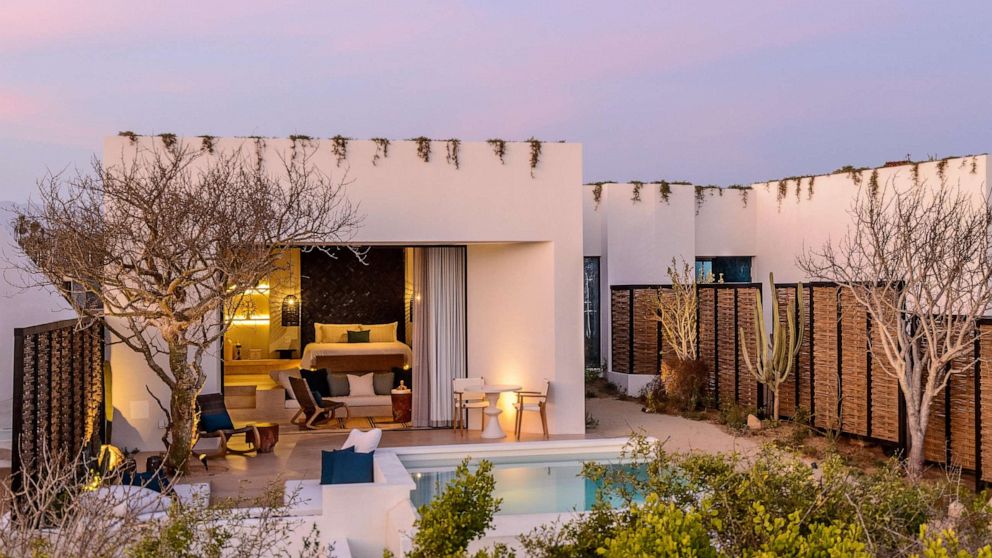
253 320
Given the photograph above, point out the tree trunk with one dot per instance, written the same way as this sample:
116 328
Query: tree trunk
775 405
182 407
917 427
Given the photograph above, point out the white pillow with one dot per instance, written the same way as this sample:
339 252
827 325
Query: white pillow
361 386
282 378
363 442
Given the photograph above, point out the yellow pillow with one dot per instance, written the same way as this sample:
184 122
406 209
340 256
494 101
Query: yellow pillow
382 333
332 333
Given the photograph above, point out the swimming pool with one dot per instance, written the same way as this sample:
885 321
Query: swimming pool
529 482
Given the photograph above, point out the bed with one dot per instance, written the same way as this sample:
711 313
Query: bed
332 351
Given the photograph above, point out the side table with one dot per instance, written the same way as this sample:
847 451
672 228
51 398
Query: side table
402 405
268 437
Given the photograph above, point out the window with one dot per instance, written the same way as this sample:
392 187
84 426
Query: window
591 313
732 269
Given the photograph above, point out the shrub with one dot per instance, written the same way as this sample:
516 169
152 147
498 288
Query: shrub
660 529
459 515
684 382
734 416
653 396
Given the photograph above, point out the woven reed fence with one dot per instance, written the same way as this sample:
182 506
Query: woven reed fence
58 391
838 380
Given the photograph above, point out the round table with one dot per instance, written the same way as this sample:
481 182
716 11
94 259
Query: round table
402 404
493 429
268 434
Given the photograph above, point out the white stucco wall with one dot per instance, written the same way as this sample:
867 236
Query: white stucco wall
725 224
525 300
21 305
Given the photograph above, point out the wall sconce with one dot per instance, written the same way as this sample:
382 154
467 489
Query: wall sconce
290 311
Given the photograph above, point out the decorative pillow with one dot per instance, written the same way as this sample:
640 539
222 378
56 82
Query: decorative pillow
152 480
361 386
282 378
216 421
363 442
327 462
352 467
382 383
317 381
332 333
358 336
339 384
382 333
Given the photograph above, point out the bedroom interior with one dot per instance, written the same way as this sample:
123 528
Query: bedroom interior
351 327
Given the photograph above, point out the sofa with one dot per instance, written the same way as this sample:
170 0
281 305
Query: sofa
378 405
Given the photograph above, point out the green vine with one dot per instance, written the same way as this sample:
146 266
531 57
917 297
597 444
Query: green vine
942 170
535 154
129 135
499 148
169 141
636 196
799 188
381 149
783 190
294 139
742 190
665 191
915 170
207 144
852 172
453 146
259 150
873 183
974 164
597 193
339 147
423 148
699 198
809 188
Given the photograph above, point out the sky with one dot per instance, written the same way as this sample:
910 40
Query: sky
715 92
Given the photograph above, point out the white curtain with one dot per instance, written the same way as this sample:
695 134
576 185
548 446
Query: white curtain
438 331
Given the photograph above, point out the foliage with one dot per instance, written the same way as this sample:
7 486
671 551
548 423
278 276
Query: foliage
535 154
207 143
339 147
676 308
734 416
423 148
775 356
460 514
499 149
946 544
597 193
654 396
168 140
636 196
381 149
133 137
660 529
684 382
665 190
453 146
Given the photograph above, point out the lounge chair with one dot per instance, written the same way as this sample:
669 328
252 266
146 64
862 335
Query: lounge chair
215 422
312 409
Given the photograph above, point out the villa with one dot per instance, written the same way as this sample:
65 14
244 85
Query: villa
492 260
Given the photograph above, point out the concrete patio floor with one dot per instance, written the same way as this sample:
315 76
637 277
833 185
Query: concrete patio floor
297 455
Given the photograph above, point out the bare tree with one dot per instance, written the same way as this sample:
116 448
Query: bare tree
161 244
676 310
917 260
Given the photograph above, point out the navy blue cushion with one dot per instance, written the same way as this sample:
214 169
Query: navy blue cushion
327 462
317 381
358 336
216 421
350 468
149 479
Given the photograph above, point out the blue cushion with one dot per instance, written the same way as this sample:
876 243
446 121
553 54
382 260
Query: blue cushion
216 421
149 479
317 381
327 462
353 467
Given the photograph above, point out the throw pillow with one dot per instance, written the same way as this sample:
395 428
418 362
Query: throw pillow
327 462
216 421
361 386
152 480
339 385
363 442
317 381
352 467
382 382
358 336
282 378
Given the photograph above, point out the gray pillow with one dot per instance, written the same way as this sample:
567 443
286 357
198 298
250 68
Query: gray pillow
382 383
339 384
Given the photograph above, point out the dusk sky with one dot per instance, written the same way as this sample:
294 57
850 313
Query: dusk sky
713 92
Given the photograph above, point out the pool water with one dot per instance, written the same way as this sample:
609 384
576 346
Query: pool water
526 488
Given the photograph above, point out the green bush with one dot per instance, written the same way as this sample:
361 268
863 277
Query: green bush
660 529
685 382
458 515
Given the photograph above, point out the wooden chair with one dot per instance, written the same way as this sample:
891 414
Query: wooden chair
467 395
311 410
538 403
213 411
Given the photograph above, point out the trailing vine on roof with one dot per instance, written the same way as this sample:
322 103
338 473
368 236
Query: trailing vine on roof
783 190
597 193
664 190
809 188
129 135
339 147
259 150
168 140
742 190
381 149
873 183
499 148
942 170
915 171
974 164
423 148
535 154
453 146
636 196
207 144
699 198
294 139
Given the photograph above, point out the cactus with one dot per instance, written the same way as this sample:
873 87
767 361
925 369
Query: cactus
775 356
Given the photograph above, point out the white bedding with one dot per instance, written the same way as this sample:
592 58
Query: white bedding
313 350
